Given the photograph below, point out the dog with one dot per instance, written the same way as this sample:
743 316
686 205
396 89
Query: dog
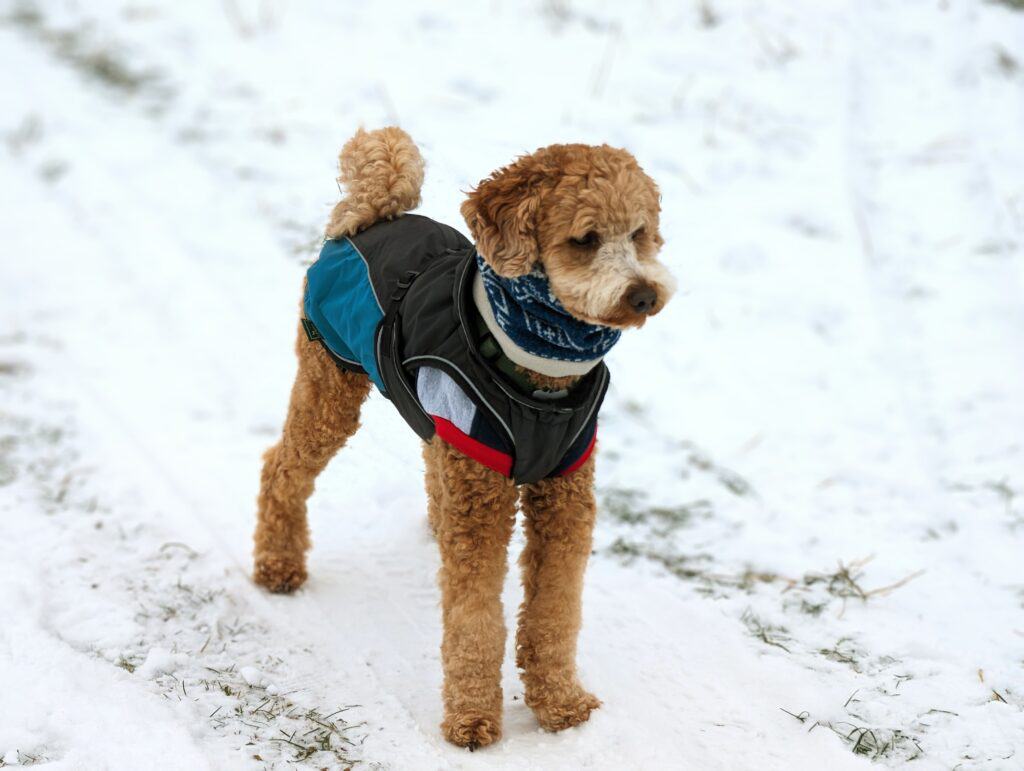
493 354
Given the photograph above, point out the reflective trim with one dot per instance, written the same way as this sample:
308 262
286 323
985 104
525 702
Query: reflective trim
377 335
403 380
472 385
583 458
337 355
367 264
593 407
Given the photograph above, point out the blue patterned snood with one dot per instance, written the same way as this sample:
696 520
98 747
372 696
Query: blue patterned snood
529 313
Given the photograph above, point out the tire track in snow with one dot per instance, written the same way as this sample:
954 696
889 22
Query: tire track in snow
98 395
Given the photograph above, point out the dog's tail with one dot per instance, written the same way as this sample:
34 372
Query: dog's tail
382 171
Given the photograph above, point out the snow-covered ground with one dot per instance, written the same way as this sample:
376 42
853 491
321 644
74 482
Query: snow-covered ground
811 543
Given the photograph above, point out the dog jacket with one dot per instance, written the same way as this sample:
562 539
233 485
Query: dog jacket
394 302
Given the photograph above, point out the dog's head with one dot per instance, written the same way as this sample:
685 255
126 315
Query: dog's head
589 216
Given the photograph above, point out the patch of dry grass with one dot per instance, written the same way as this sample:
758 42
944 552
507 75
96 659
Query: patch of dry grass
96 60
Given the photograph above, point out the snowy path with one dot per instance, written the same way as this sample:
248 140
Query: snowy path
849 363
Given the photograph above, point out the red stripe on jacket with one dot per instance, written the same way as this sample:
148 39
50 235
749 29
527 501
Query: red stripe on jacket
467 445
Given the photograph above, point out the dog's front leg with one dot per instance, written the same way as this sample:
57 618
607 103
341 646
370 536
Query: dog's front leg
476 515
559 521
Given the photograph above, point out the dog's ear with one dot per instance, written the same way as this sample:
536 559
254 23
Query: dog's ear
502 217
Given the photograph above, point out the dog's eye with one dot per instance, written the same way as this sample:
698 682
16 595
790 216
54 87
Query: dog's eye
588 240
637 234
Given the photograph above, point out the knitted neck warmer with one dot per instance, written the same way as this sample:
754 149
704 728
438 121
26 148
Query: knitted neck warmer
534 329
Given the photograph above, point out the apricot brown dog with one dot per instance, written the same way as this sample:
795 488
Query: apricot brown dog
493 355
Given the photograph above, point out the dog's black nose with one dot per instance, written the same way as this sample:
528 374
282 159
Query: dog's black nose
642 299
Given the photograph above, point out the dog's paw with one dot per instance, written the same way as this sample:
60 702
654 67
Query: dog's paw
471 729
556 711
279 573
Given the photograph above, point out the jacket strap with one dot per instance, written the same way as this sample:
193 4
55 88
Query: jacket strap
390 319
399 390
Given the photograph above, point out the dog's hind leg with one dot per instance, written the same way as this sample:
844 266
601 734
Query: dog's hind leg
559 521
322 415
474 525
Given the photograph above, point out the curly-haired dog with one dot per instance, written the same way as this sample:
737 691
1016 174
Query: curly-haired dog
493 354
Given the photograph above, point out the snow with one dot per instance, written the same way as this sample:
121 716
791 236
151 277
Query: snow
160 661
256 679
811 517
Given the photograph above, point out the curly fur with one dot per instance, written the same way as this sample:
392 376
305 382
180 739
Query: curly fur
382 172
525 213
559 520
473 515
322 414
531 210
